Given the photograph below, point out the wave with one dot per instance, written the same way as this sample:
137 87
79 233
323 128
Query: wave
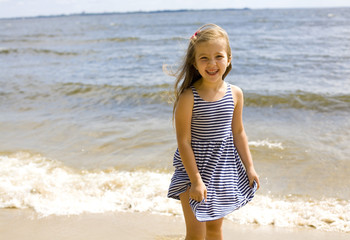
36 51
39 37
153 94
115 39
300 100
266 143
328 214
162 93
51 188
8 51
28 38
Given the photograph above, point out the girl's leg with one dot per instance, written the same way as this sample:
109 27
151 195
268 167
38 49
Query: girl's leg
195 230
214 230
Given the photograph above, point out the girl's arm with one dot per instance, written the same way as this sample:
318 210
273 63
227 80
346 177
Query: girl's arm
183 117
240 137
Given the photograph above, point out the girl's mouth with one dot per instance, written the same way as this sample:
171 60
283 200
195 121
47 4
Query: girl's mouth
212 72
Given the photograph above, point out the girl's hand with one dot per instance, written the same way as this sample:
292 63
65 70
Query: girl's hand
198 191
253 176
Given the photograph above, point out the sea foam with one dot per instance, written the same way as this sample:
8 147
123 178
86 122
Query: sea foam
266 143
51 188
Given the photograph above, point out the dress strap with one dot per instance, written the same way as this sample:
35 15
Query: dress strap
228 88
229 91
194 91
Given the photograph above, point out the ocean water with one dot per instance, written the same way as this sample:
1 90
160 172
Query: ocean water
85 123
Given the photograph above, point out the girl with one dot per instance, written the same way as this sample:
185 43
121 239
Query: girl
209 177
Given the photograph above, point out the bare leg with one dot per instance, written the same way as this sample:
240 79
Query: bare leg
214 230
195 230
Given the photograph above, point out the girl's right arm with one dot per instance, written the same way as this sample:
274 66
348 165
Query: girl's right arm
183 117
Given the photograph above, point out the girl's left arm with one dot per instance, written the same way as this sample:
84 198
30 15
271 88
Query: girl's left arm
240 137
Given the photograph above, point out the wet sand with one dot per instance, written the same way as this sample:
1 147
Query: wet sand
24 224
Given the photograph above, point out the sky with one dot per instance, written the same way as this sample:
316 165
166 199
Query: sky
27 8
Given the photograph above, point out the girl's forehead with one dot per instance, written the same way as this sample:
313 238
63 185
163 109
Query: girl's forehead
214 45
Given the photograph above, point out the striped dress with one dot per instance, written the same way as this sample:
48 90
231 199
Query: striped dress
217 160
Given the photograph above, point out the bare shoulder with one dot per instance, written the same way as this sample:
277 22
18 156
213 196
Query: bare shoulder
186 96
183 110
186 100
237 93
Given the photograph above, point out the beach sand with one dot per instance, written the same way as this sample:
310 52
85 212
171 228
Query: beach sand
24 224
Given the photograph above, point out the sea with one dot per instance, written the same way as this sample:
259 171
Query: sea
86 111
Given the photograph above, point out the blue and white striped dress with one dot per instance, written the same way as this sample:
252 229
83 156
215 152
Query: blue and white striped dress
217 160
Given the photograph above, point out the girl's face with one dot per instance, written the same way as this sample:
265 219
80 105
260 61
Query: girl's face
211 59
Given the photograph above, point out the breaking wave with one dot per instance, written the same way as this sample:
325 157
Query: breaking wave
51 188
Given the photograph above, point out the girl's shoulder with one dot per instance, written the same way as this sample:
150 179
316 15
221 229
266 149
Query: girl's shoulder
237 93
187 95
236 90
185 102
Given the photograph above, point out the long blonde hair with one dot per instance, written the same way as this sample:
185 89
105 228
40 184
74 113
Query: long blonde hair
187 74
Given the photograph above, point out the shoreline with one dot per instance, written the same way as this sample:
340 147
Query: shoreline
16 224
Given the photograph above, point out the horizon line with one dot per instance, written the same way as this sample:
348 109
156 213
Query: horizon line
84 13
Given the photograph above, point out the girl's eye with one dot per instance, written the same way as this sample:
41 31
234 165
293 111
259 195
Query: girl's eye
219 57
203 58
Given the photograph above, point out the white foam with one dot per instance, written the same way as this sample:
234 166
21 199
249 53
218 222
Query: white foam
327 214
266 143
49 187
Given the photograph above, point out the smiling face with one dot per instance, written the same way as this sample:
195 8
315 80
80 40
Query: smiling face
211 59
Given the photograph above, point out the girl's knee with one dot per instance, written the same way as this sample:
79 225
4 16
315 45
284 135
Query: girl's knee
214 229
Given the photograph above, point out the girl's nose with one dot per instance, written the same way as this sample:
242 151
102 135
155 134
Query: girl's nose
212 62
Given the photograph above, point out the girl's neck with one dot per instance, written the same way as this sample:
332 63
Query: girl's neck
211 86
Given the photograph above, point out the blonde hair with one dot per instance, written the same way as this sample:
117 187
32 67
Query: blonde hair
187 74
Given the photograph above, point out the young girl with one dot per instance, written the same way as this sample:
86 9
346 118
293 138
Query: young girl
209 177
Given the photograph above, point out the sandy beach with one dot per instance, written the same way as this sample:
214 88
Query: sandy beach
24 224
